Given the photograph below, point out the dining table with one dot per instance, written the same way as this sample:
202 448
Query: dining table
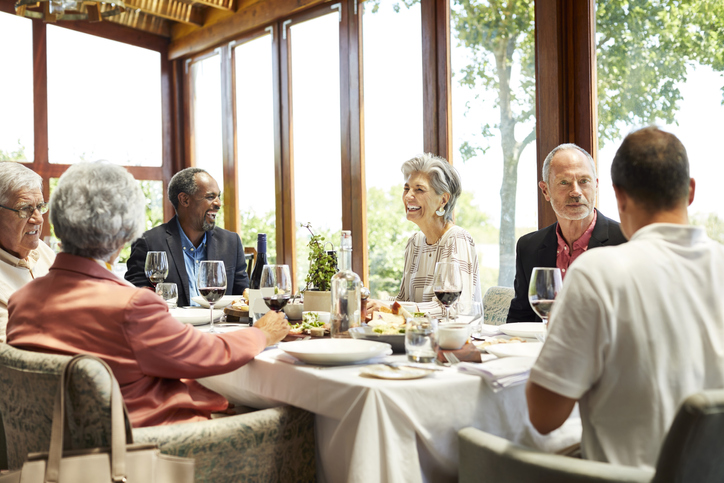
380 430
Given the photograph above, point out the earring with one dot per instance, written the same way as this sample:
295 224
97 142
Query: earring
440 212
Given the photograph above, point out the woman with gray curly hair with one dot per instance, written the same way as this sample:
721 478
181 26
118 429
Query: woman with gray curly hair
23 255
432 187
96 209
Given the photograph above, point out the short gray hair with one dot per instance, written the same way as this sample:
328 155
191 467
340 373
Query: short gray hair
563 147
444 178
183 182
96 209
15 177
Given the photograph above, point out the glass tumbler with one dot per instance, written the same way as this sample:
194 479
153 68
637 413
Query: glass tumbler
168 292
421 339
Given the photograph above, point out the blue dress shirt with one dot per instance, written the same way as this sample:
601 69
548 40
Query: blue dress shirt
193 256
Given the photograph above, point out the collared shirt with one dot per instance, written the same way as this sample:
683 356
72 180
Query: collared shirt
565 256
193 256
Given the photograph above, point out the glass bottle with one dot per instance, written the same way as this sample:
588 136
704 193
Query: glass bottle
260 261
345 287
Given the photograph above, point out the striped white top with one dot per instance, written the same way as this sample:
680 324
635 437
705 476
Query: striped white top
456 245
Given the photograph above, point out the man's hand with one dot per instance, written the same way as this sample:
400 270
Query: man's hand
274 325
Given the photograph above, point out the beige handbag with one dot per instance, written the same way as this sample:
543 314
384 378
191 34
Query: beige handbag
121 463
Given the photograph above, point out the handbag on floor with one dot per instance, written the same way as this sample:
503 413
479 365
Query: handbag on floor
122 462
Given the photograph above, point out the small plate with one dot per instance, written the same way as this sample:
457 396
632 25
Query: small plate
380 371
527 349
523 329
220 304
194 316
335 352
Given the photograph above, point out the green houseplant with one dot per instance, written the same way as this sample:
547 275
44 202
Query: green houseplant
322 267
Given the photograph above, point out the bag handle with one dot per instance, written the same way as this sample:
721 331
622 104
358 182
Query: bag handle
120 434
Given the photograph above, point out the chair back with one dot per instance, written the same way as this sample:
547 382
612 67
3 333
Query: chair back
250 257
694 446
29 382
496 303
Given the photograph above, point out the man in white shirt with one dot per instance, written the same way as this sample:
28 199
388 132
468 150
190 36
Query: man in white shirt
23 256
637 327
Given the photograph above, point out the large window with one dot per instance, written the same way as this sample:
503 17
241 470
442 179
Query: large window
640 82
104 100
493 93
393 133
16 93
206 108
316 132
254 96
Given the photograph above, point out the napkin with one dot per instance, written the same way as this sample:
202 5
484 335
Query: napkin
500 373
487 330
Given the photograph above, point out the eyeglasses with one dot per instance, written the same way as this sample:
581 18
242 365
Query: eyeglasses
27 211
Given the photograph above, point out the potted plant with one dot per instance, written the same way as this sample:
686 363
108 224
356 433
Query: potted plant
322 267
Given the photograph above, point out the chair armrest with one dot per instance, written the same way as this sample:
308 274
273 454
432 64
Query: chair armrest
487 457
270 445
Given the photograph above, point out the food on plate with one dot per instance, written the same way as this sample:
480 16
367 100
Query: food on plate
385 309
380 318
512 340
400 310
310 321
240 305
389 329
245 296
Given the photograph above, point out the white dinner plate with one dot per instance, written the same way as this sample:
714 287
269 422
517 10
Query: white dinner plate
524 349
222 302
194 316
332 352
523 329
380 371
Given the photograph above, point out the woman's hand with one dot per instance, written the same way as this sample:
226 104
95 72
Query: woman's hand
274 325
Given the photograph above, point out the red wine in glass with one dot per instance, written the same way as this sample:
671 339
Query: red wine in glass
447 297
212 294
276 302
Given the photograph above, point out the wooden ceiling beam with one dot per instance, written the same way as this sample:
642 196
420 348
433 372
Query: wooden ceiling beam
220 4
168 9
141 21
227 28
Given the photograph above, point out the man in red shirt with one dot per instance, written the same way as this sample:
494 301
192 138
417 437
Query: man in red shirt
569 184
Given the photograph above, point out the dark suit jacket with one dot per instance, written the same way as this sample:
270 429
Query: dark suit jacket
538 249
220 245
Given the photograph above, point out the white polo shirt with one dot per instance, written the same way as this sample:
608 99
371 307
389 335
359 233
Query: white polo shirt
16 272
635 330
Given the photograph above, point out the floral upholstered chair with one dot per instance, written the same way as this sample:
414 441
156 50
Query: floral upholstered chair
496 303
273 445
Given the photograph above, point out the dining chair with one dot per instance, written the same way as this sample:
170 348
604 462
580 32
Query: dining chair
250 257
269 445
692 452
496 303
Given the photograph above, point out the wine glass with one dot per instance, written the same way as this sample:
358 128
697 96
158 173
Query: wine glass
276 277
447 285
156 267
471 313
545 283
211 281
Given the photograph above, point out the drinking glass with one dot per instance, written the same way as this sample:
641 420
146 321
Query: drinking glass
545 283
276 277
447 285
421 339
211 281
471 313
168 292
156 267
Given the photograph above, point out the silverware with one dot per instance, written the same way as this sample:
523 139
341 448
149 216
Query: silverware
451 358
400 365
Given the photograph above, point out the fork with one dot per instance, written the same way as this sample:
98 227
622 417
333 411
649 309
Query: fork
451 358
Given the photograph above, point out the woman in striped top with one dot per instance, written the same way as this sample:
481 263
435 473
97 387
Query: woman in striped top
432 187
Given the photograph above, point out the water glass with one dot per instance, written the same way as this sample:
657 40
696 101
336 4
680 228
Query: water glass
168 292
421 339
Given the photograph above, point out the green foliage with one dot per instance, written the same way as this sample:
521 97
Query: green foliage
713 224
643 50
253 224
387 235
322 266
17 155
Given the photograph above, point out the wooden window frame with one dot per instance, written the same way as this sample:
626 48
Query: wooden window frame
41 163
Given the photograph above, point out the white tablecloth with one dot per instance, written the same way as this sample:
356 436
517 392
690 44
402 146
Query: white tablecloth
374 430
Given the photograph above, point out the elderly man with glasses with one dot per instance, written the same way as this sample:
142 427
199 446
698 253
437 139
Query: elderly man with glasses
23 256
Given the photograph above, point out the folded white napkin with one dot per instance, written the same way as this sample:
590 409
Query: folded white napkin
500 373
